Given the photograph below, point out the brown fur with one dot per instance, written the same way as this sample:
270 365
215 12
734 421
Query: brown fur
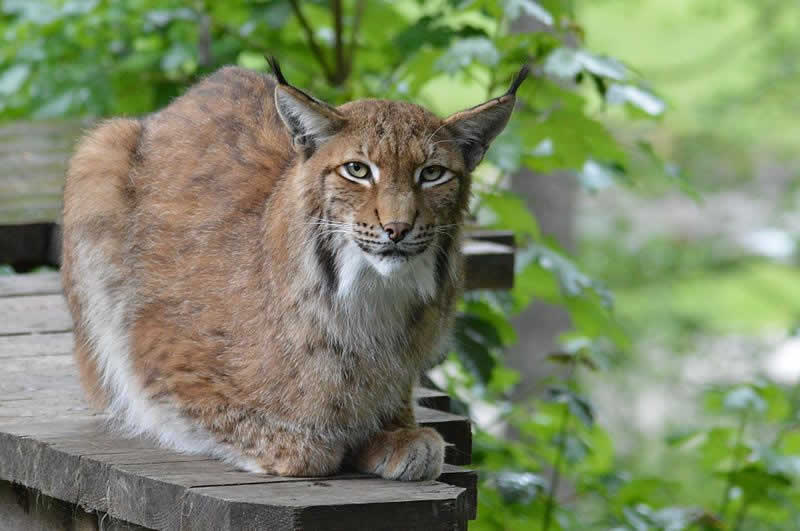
217 239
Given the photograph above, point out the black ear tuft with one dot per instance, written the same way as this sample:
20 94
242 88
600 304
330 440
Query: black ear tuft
276 70
518 79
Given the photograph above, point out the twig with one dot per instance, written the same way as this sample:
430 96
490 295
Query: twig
204 56
312 42
726 493
338 43
353 40
562 436
547 518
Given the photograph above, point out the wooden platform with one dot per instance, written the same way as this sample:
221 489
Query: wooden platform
55 451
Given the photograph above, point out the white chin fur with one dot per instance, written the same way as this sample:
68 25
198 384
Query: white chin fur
386 265
361 273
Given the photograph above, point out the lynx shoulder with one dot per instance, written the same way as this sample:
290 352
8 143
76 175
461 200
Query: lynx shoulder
260 276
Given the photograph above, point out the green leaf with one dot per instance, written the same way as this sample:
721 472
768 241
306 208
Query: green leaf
677 518
176 57
12 79
575 449
511 213
567 63
503 379
516 8
430 30
640 98
252 60
680 436
507 149
482 310
778 405
790 442
563 63
578 406
474 339
595 176
756 482
646 489
464 52
744 398
606 67
518 487
576 350
534 281
573 137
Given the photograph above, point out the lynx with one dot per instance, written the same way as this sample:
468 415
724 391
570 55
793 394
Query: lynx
259 276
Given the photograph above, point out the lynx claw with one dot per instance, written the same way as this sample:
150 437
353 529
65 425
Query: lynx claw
408 454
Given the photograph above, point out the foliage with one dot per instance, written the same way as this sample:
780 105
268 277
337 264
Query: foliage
100 57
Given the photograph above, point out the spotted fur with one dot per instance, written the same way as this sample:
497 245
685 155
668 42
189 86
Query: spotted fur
234 295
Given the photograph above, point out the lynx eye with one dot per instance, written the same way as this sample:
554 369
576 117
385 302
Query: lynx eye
433 175
357 170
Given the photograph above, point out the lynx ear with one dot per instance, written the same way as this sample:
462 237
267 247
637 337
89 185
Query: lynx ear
310 122
475 128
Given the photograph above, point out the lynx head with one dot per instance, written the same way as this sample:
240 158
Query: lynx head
394 179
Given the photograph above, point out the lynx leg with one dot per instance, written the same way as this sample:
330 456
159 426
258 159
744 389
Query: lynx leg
297 455
403 451
250 442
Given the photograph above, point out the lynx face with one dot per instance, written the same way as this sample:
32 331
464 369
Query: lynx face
393 182
394 177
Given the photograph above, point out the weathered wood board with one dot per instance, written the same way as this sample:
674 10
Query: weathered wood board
55 446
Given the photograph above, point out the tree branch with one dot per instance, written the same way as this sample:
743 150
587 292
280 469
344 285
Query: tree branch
204 56
353 40
312 42
339 73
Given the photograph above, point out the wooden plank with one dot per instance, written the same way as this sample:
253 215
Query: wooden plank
30 284
466 479
432 399
30 346
503 237
488 265
329 505
155 495
34 314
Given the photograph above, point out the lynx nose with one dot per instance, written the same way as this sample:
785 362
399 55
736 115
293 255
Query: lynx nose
396 231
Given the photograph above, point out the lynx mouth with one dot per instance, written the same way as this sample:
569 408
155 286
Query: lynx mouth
390 251
395 253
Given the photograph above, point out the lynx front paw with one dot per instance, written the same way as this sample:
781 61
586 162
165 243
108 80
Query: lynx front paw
408 454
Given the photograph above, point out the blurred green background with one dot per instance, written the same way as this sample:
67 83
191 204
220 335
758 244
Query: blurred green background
643 372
